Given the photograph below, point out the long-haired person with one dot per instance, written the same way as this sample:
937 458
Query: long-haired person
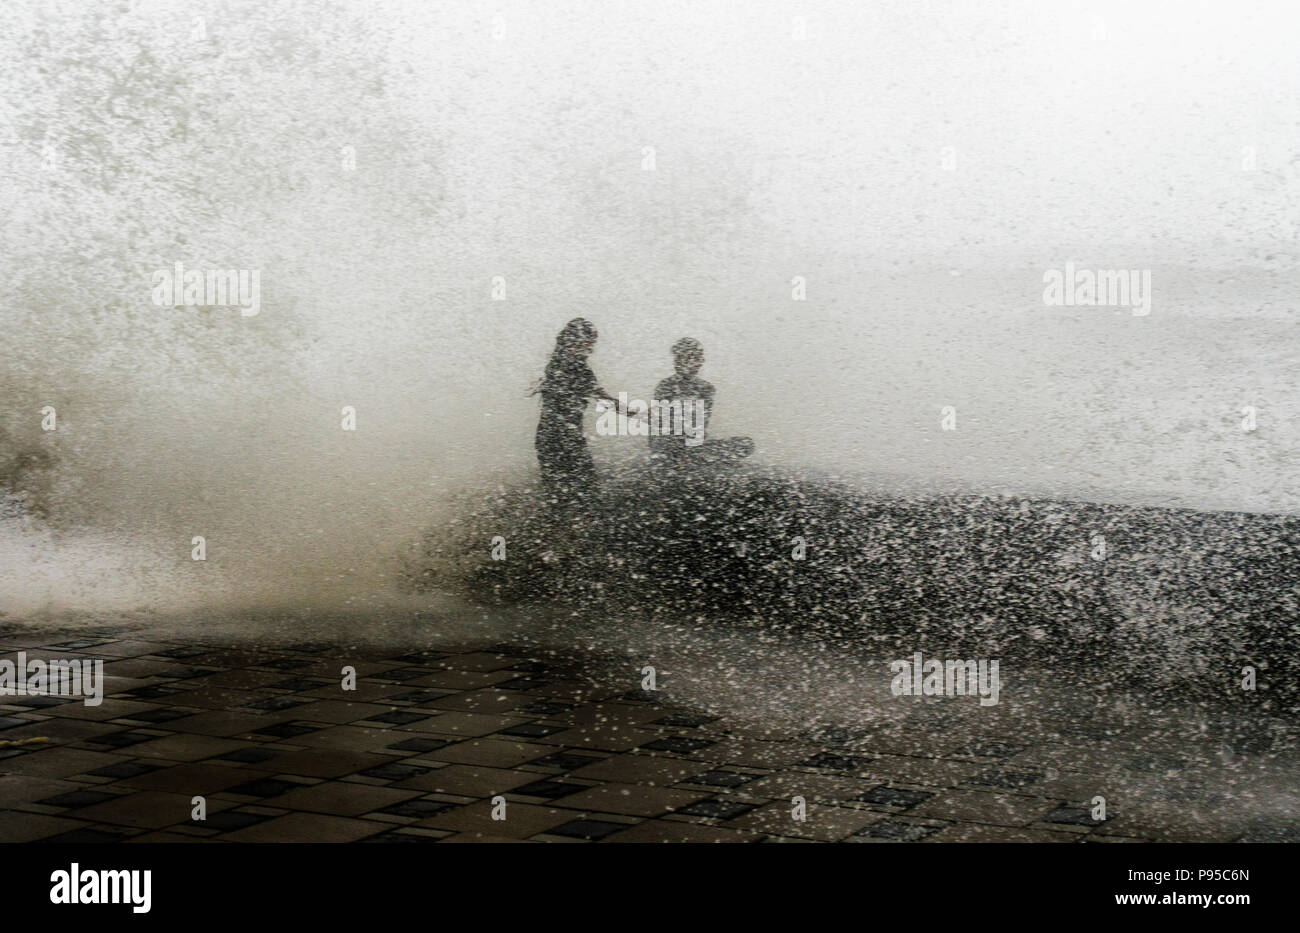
568 474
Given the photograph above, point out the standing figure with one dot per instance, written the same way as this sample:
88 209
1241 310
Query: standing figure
568 474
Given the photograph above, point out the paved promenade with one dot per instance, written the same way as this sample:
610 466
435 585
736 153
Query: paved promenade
431 743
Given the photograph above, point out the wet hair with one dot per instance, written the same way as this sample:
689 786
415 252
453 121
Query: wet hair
579 330
687 345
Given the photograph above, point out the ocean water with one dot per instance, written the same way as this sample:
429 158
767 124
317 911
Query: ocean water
392 171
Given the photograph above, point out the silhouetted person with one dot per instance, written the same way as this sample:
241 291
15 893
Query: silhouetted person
687 387
568 474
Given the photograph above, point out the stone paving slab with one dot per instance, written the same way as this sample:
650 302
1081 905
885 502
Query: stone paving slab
435 745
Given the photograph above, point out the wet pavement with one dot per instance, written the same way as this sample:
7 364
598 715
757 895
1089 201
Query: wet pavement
436 744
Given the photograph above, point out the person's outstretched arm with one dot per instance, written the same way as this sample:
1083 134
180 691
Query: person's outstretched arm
601 394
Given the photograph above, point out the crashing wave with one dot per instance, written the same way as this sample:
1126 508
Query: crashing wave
1173 593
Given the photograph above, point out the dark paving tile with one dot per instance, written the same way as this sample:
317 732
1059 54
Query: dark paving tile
14 752
276 704
418 808
677 745
307 827
400 674
228 821
35 702
126 769
297 684
419 696
532 730
420 745
342 798
893 797
421 657
286 730
640 696
565 761
9 722
717 809
394 771
251 755
587 829
187 673
311 647
898 832
75 800
22 827
193 777
284 664
551 790
122 739
521 683
264 787
157 715
397 718
152 692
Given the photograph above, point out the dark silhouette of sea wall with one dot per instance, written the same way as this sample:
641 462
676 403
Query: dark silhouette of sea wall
1170 595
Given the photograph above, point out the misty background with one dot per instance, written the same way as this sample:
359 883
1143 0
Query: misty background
920 165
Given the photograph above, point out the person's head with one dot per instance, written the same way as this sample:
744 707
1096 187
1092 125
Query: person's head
688 357
577 339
